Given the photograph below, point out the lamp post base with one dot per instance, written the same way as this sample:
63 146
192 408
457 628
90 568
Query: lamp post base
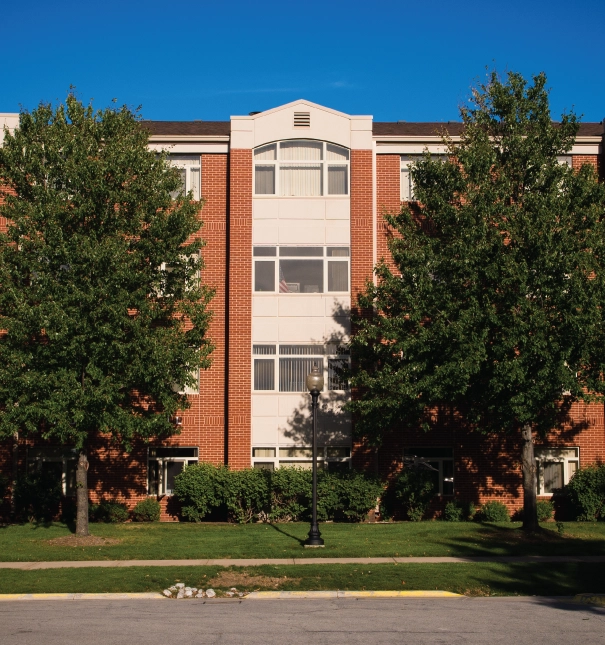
314 539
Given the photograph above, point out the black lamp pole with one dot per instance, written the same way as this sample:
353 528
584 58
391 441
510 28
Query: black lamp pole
315 384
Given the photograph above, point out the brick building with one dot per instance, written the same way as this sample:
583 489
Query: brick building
293 222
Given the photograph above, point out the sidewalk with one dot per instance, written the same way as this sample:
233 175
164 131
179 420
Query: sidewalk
255 562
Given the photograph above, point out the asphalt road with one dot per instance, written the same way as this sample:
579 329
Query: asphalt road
490 621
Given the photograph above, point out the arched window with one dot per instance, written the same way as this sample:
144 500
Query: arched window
301 168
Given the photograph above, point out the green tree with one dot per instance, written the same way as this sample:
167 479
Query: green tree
101 303
497 300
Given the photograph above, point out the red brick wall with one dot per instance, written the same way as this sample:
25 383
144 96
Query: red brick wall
594 160
388 199
240 309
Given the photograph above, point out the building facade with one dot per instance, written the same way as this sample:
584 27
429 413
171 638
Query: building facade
293 205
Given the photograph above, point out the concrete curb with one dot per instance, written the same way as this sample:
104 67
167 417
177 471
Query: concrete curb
320 595
81 596
255 595
255 562
590 599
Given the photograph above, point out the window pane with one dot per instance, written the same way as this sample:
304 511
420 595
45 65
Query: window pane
70 477
335 381
152 477
194 173
406 185
338 453
266 153
300 181
264 276
264 374
293 373
338 252
173 468
553 475
428 453
300 150
448 474
336 153
301 350
301 276
183 187
264 180
264 465
435 476
338 276
264 251
293 453
263 452
261 350
572 468
301 251
337 180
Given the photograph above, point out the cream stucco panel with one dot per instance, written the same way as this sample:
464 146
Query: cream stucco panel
264 430
265 208
297 234
265 405
300 330
338 209
338 306
265 231
336 233
264 330
303 209
297 305
263 306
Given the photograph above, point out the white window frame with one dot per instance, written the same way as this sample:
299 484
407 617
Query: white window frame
326 259
406 185
279 460
324 162
330 352
408 454
163 462
190 164
569 456
54 454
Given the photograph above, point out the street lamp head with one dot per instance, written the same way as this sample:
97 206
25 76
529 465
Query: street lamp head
315 380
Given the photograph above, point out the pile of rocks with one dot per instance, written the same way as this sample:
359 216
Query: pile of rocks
179 590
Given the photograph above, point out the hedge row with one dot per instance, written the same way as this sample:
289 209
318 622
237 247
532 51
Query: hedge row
279 496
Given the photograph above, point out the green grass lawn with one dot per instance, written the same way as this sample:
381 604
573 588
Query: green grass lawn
563 579
162 541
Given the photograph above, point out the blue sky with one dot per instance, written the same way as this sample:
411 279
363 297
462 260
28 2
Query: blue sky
413 61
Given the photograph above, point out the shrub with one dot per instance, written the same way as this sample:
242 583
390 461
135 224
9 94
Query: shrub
291 495
586 493
459 511
37 496
545 510
147 510
3 486
415 488
494 512
356 495
108 511
247 494
201 489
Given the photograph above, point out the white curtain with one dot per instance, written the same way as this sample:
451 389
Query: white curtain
337 180
266 153
301 150
336 153
300 180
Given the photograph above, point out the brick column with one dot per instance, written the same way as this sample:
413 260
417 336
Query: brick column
361 253
239 295
388 198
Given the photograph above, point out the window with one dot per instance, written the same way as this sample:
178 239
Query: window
164 464
58 462
406 184
440 461
288 373
555 467
331 458
191 174
301 269
301 168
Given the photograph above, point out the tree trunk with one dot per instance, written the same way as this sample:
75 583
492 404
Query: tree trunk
82 495
530 514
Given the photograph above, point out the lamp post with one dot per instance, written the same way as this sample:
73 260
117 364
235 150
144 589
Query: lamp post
315 384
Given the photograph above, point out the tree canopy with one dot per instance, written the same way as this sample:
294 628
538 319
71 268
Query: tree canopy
494 299
103 312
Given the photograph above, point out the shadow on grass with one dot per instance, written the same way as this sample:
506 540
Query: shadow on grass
494 539
292 537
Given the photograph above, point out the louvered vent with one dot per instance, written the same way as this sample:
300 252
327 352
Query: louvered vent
302 119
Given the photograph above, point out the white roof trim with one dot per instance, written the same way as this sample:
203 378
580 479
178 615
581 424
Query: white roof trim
305 103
